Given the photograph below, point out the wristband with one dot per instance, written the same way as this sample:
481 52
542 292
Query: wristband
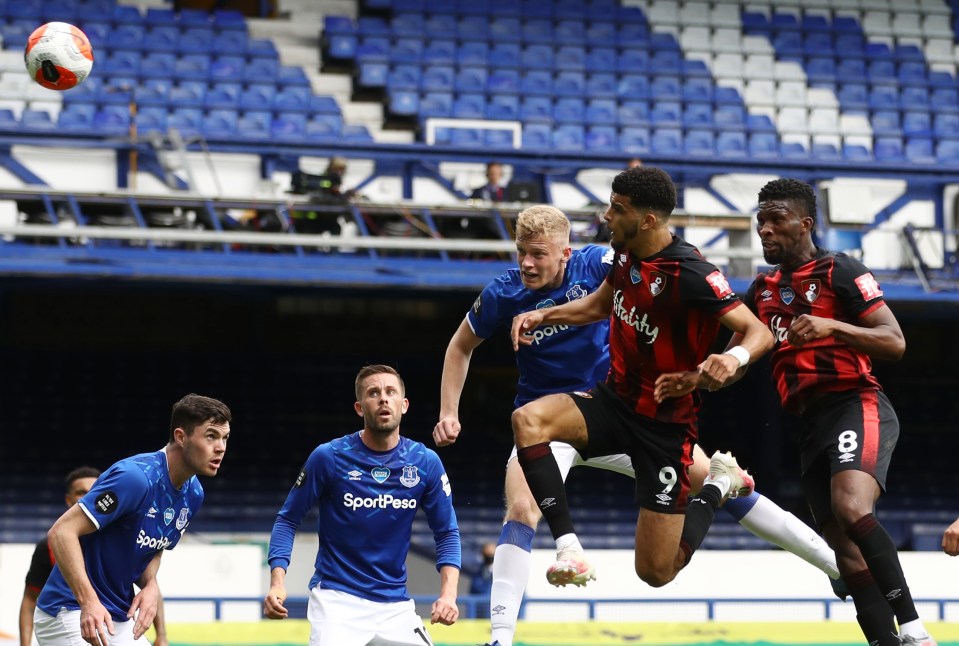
741 354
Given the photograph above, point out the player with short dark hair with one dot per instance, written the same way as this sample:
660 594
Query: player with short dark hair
368 485
667 303
564 359
115 535
829 320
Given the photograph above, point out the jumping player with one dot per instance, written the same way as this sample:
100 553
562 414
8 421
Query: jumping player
561 359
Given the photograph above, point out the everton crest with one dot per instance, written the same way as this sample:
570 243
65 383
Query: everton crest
183 519
410 476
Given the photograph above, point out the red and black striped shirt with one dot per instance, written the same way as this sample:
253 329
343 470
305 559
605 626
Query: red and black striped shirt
831 286
666 311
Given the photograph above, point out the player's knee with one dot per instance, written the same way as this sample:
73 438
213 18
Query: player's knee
849 510
526 427
524 510
655 576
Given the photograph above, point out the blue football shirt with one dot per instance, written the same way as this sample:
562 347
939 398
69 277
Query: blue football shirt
137 512
367 502
562 358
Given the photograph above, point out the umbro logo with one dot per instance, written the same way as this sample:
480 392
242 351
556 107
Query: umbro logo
892 595
846 457
152 513
546 503
498 610
354 474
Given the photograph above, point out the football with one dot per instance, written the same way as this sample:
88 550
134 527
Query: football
58 56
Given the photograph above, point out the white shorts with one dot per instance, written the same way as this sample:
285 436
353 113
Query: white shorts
64 630
342 619
567 457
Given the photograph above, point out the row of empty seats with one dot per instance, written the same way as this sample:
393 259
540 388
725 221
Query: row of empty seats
108 11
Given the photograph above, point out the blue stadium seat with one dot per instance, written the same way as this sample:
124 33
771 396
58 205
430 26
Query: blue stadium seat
633 113
261 70
666 114
503 81
825 151
601 86
324 104
373 49
538 31
700 143
946 125
853 95
229 68
888 149
151 119
39 120
254 126
439 52
698 90
915 98
292 76
730 117
437 78
633 87
913 73
223 95
856 153
536 109
404 103
601 139
792 150
404 77
408 25
537 57
537 136
698 115
120 63
763 145
571 58
341 25
851 70
601 31
634 140
666 62
947 150
886 122
188 95
76 117
196 41
164 16
723 95
161 39
158 65
537 82
569 137
288 126
503 107
407 51
882 71
324 125
665 88
755 22
469 106
731 144
257 97
228 20
916 123
473 28
473 53
667 141
471 79
373 75
919 150
571 32
467 138
945 99
112 120
633 61
372 26
219 124
292 99
505 29
821 69
817 43
569 84
197 67
497 139
338 46
436 104
569 110
124 37
601 112
601 60
505 55
122 14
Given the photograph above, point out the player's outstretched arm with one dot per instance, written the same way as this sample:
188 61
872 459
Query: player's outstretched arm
455 368
145 603
445 610
273 606
96 625
950 539
595 307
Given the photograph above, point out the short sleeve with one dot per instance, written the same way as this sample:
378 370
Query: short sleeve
483 316
119 491
855 286
704 287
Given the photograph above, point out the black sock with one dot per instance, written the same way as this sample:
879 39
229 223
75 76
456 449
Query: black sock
546 482
699 517
872 611
879 552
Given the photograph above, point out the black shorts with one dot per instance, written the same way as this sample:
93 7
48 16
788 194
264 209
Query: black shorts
661 452
845 431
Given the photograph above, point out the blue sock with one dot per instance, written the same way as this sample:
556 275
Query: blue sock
739 507
518 534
